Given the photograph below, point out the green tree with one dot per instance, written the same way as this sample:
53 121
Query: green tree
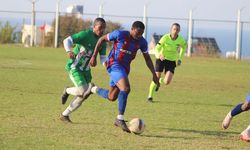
69 24
6 33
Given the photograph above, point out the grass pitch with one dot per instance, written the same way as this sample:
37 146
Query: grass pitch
186 115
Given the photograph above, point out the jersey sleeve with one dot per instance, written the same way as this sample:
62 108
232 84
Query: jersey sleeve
159 46
113 35
79 37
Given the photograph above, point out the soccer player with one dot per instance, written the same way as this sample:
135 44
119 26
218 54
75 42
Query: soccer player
78 64
166 53
235 111
125 47
245 135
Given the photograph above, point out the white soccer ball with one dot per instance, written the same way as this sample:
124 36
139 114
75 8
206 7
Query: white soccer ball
136 125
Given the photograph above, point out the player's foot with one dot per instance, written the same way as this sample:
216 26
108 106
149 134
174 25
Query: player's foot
156 89
65 96
245 135
150 99
121 124
65 119
94 89
227 120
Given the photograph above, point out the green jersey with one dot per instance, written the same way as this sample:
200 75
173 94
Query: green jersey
85 44
169 48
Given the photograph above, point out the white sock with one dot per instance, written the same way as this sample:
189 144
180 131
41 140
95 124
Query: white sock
66 112
120 117
76 103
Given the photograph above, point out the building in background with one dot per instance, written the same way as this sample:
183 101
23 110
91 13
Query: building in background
201 46
40 33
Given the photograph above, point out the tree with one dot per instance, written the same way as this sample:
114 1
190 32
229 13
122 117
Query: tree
70 24
7 33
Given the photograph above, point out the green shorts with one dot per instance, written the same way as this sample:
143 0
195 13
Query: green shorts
80 78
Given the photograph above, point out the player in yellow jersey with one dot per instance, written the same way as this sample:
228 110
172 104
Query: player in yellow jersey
169 53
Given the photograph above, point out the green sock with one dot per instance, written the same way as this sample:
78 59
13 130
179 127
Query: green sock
152 88
161 81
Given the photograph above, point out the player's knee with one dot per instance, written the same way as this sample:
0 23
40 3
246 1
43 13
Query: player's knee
127 90
245 106
167 82
112 98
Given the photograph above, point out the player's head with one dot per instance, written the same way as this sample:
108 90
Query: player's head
137 29
99 26
175 29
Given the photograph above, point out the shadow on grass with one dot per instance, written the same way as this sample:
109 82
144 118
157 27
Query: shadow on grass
203 132
220 134
201 104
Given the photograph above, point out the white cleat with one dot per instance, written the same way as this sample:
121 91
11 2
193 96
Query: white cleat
245 135
227 120
94 89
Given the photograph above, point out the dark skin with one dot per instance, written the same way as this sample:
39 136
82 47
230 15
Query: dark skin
123 84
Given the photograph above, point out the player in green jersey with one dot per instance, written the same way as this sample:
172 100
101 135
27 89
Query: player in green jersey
169 53
78 64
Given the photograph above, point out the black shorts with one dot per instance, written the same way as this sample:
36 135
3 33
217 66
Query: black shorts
165 64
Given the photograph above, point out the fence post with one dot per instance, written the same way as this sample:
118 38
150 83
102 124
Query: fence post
238 36
56 24
190 32
145 20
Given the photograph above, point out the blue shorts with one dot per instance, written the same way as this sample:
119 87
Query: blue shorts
248 98
116 72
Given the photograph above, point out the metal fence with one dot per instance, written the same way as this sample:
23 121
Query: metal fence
224 31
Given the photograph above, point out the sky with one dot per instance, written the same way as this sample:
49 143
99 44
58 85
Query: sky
203 9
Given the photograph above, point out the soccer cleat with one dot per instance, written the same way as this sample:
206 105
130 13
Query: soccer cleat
245 135
94 89
156 89
65 119
150 99
227 120
122 124
65 96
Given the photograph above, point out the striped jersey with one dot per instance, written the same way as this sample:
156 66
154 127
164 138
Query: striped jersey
124 48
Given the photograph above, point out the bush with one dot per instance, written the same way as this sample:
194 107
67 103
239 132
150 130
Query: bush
7 33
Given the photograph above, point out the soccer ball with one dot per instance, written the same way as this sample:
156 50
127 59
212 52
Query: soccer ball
136 125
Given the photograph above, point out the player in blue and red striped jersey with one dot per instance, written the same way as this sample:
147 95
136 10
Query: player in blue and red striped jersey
125 47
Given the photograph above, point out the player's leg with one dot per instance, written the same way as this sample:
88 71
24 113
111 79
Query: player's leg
245 135
235 111
124 86
78 79
169 71
84 88
159 65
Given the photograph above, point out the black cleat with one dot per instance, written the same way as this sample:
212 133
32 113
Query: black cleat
150 99
65 96
65 119
156 89
122 124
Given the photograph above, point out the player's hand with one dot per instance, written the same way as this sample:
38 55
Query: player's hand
71 55
156 81
179 62
92 62
162 57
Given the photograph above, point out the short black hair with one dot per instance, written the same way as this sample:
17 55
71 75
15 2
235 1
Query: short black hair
99 20
138 24
176 24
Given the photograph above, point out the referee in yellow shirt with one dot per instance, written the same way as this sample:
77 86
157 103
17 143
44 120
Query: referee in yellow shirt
169 53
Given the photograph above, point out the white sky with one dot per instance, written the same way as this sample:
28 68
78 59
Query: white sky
203 9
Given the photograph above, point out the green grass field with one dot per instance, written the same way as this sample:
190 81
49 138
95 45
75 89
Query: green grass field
186 115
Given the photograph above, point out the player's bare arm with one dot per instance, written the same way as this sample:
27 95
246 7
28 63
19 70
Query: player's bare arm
92 61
